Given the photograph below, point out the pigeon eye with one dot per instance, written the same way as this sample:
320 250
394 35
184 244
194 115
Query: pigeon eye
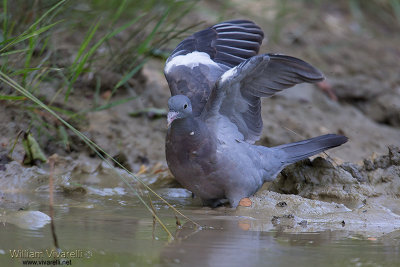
185 106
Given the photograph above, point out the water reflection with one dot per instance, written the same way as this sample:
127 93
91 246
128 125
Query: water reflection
118 231
228 242
221 241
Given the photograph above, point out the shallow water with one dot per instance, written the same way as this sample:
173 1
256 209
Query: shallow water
118 231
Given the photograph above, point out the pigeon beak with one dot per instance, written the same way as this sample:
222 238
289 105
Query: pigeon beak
172 115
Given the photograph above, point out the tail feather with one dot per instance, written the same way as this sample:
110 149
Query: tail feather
307 148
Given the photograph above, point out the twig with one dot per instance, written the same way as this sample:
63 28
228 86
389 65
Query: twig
15 142
53 228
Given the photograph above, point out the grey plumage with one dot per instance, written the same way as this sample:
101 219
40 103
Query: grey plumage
307 148
216 81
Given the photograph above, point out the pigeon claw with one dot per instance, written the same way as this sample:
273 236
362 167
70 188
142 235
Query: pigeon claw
245 202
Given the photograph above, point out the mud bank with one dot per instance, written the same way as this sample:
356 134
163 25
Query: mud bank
312 195
319 195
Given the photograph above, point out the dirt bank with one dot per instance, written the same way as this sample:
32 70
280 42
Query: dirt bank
319 194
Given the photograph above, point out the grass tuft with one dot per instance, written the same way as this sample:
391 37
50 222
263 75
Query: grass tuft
54 49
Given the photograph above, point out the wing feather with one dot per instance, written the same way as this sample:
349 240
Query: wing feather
198 61
238 91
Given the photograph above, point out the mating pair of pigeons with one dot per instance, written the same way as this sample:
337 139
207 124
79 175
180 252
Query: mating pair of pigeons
216 80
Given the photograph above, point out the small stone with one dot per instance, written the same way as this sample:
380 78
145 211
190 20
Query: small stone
354 171
288 216
281 204
303 223
394 155
382 162
142 160
123 160
4 159
275 220
369 165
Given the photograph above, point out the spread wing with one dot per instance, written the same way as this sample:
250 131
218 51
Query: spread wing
235 101
199 60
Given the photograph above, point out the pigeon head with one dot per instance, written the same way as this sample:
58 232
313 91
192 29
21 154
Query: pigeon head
179 107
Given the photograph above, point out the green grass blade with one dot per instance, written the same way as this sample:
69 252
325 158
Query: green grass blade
36 23
86 42
27 33
396 8
113 104
117 14
144 47
25 36
44 45
64 136
5 21
62 111
12 97
14 52
105 106
28 56
129 75
78 69
77 66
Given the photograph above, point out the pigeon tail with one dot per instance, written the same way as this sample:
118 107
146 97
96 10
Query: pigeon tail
307 148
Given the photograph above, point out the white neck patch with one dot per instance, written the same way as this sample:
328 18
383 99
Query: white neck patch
190 60
228 74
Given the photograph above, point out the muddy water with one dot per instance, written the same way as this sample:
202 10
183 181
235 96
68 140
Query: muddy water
118 231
